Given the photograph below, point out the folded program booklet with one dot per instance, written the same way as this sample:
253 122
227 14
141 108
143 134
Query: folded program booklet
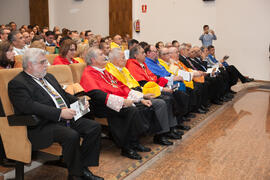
186 75
80 108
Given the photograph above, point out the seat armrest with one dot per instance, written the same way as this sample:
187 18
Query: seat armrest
23 120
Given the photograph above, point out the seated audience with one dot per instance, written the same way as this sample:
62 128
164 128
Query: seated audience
105 48
7 56
50 38
27 39
140 71
67 52
131 43
117 68
4 34
17 40
35 92
117 42
114 100
230 68
81 51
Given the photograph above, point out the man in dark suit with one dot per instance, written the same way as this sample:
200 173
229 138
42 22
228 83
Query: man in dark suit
34 92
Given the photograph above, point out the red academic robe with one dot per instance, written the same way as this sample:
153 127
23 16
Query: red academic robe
92 79
141 74
58 60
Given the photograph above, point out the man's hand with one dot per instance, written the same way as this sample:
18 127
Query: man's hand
212 32
165 89
128 103
148 96
147 103
177 78
67 113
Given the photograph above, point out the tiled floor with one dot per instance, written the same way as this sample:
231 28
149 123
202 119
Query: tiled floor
219 150
235 145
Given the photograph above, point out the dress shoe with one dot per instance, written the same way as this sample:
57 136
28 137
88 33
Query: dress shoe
162 140
70 177
217 102
182 127
200 111
229 95
185 119
248 80
175 131
130 153
233 92
190 115
204 108
225 99
172 135
88 175
140 148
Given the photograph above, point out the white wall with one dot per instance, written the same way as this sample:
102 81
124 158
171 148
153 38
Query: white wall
14 10
80 15
242 28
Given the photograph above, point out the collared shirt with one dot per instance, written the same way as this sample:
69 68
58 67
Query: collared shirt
207 39
50 86
48 44
19 51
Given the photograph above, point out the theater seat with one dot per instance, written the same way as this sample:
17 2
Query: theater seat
13 129
62 73
18 61
50 49
51 57
77 70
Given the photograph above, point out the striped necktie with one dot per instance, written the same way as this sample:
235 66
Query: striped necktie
56 96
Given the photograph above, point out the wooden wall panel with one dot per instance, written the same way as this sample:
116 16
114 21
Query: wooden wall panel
39 12
120 15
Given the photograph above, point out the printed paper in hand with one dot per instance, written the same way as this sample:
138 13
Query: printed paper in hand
79 107
186 75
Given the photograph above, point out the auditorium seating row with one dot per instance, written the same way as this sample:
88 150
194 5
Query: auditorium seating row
13 129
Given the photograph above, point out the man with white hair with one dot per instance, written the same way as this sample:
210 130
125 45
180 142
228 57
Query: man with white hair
118 103
36 92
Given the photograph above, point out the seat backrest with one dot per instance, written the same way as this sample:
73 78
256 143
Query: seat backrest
62 73
50 49
77 70
18 61
51 57
5 76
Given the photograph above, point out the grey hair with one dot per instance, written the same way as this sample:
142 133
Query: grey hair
172 49
31 55
92 53
12 35
182 47
134 51
115 53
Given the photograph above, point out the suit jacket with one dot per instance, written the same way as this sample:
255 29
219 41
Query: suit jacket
184 61
29 98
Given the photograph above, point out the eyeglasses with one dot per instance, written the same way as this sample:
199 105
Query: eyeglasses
72 49
42 62
153 51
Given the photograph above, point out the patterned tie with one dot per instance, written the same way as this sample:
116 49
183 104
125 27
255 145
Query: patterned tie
56 96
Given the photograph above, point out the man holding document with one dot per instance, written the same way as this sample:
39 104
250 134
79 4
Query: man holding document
35 92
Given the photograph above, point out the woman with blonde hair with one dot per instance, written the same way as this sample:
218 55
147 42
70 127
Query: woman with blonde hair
81 50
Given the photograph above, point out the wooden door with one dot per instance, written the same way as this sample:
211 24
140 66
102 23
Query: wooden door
39 12
120 15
